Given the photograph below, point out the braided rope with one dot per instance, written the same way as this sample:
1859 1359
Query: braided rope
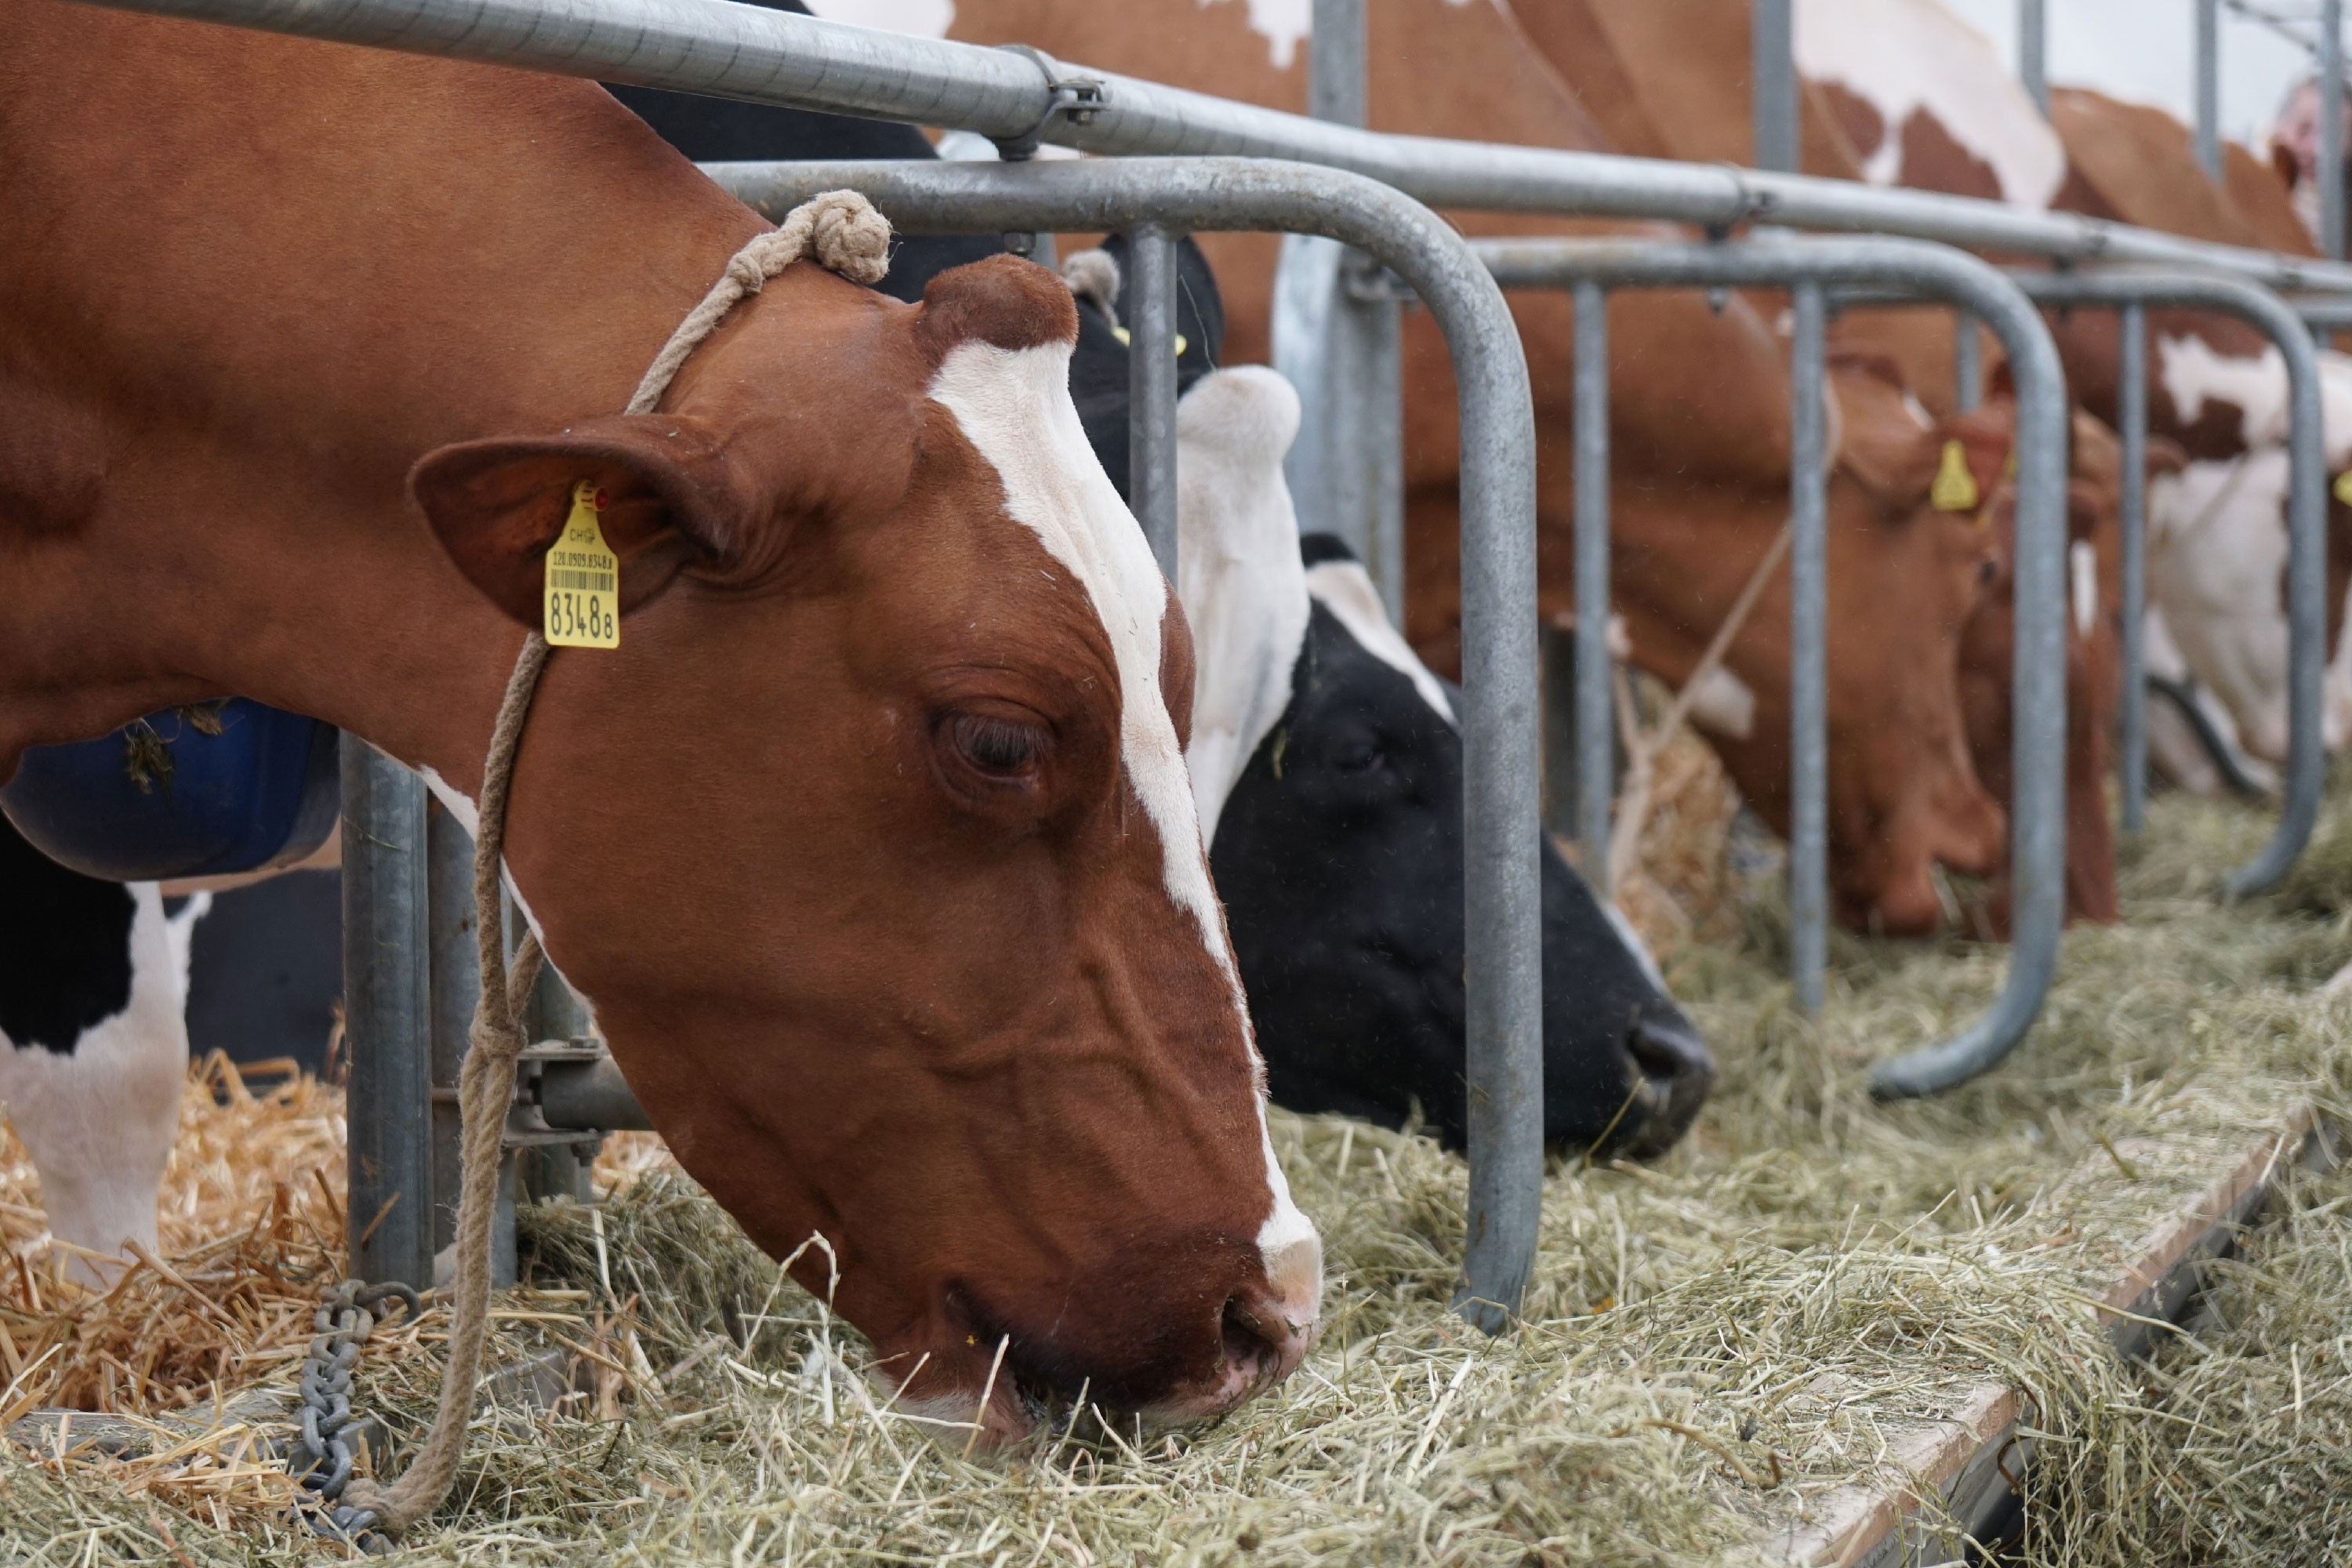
846 236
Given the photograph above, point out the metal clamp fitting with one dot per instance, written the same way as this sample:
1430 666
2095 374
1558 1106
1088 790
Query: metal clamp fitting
1081 98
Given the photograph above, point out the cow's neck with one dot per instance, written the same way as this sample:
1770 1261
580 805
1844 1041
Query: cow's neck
274 274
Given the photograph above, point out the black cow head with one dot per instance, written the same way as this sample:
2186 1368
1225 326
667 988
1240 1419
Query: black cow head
1328 763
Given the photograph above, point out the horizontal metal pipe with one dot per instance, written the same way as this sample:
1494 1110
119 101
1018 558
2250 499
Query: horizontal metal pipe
592 1096
2307 506
2038 676
748 52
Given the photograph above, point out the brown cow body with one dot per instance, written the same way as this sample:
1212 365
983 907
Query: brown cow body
1700 434
871 845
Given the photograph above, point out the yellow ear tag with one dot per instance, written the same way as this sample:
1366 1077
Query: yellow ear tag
2342 487
583 578
1127 341
1955 489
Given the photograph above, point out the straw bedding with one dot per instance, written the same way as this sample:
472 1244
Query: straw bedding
1714 1342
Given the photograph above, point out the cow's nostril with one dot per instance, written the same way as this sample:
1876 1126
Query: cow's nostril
1676 1070
1669 1051
1248 1345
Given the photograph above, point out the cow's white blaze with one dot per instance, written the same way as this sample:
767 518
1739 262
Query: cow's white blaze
1344 588
2083 565
2192 374
1238 573
1013 405
98 1121
1909 57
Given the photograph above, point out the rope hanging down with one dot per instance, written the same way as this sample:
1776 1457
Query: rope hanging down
842 232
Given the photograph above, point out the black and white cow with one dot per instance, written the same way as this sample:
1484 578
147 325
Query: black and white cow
1326 762
93 1041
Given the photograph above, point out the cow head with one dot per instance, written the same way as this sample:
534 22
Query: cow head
1903 578
1328 760
894 742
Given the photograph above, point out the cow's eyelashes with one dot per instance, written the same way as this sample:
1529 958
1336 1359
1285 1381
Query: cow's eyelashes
1358 755
997 746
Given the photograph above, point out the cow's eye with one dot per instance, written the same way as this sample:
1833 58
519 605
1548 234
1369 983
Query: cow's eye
999 747
1358 755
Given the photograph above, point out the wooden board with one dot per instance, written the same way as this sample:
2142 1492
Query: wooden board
1948 1482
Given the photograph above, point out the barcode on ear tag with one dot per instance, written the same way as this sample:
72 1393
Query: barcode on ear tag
583 597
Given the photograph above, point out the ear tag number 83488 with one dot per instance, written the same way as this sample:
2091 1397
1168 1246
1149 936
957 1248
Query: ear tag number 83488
583 578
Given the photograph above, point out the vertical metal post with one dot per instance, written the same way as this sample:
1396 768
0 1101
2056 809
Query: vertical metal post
1334 62
1968 361
387 1018
556 1170
2331 128
1596 738
1772 81
2209 87
1374 454
1350 439
455 981
2033 53
1151 302
2132 415
1807 655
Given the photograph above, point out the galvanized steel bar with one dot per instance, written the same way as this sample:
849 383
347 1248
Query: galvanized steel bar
1772 78
387 1019
454 962
1149 299
1808 802
2307 574
2331 129
2033 52
2208 86
1967 362
749 52
1596 729
2038 679
1503 976
1335 90
2131 419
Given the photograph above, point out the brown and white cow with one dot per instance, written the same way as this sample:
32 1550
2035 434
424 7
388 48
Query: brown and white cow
1700 431
871 846
1928 103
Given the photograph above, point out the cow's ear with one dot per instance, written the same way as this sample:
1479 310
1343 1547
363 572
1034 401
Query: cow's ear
2284 164
670 500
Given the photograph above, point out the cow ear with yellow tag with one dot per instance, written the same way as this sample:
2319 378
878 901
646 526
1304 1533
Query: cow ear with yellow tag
567 534
581 603
1955 487
2342 489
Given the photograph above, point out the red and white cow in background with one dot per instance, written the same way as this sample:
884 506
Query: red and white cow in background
1927 101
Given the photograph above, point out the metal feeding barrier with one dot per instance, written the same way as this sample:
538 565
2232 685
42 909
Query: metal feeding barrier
1811 268
1017 99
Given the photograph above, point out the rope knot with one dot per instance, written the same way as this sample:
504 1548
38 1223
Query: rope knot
844 234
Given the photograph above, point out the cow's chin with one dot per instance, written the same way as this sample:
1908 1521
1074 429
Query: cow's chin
986 1406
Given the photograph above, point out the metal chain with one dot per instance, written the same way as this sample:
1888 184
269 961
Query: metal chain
320 1456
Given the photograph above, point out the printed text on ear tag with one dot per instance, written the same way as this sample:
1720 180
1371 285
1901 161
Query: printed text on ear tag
1955 489
2342 487
583 578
